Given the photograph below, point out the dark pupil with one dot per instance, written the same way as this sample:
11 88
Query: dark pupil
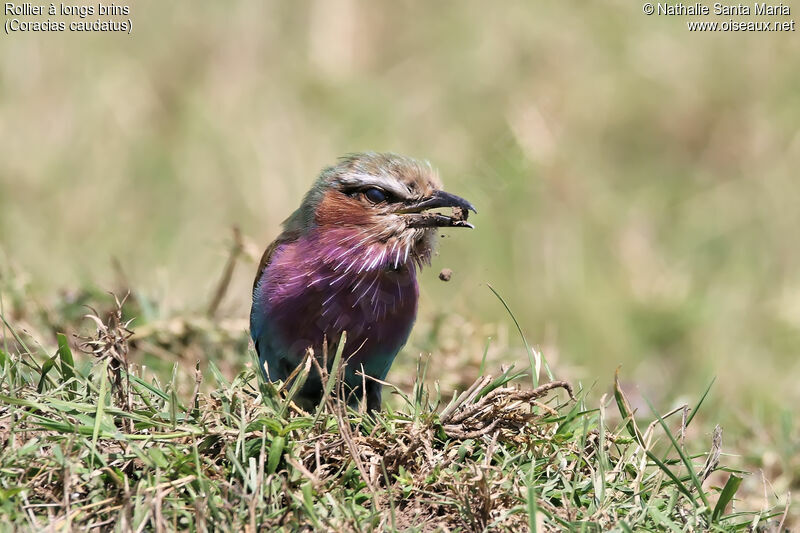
375 196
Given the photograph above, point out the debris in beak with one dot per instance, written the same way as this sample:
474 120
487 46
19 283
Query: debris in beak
416 216
435 220
445 274
460 213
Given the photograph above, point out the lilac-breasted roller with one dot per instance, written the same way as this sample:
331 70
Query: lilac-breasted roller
347 260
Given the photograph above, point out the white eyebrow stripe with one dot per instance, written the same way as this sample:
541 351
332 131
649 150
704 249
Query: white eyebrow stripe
367 180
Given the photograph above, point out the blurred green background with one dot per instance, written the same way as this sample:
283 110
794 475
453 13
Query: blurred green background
636 183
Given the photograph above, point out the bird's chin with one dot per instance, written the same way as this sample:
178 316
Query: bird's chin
424 244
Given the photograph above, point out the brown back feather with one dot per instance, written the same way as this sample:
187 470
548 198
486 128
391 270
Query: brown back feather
267 257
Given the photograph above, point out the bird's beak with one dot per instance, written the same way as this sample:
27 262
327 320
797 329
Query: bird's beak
416 216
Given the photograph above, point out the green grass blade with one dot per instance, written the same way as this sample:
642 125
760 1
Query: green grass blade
678 483
16 337
626 412
22 402
482 368
101 404
663 520
67 361
699 403
136 380
221 381
298 383
275 453
531 503
534 361
46 367
686 460
8 368
727 494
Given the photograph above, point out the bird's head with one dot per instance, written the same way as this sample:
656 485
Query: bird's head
381 199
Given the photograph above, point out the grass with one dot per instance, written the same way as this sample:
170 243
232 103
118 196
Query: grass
636 183
93 441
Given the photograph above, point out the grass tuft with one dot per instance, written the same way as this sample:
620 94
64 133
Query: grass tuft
93 442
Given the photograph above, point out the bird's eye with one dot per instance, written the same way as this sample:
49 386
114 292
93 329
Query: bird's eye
375 195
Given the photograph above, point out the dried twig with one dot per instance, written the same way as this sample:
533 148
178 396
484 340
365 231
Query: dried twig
227 273
110 342
712 461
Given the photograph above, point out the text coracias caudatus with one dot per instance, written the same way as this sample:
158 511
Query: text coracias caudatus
347 261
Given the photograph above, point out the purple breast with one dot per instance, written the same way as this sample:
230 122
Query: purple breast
322 285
